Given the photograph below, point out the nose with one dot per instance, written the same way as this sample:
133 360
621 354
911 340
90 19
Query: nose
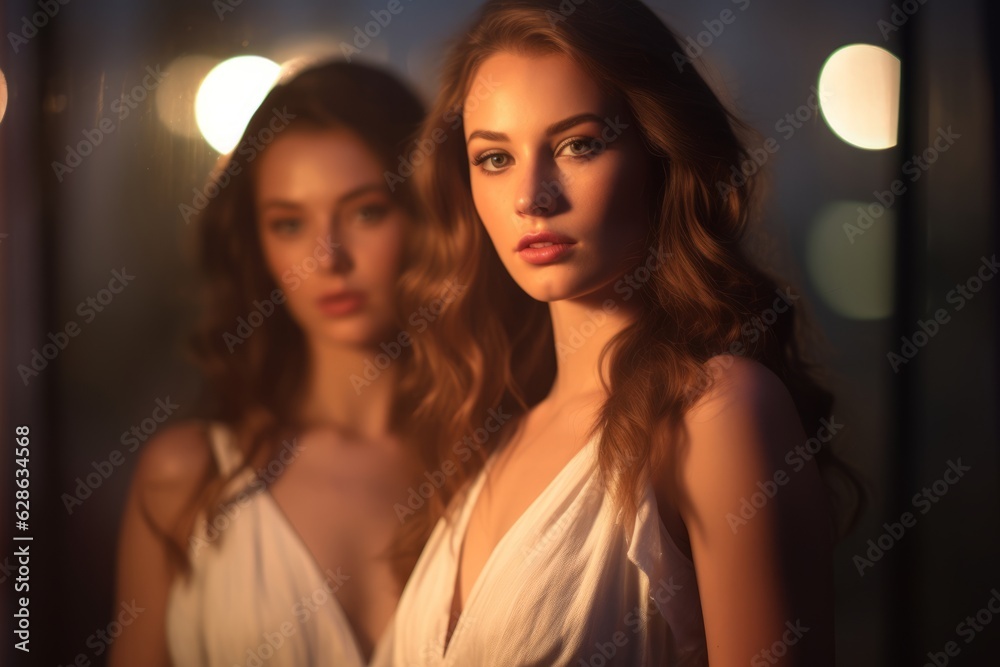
538 190
335 255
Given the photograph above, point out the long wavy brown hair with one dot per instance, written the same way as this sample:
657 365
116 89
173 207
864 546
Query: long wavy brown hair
254 384
494 346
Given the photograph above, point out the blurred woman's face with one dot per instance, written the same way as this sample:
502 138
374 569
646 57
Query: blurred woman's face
557 170
331 234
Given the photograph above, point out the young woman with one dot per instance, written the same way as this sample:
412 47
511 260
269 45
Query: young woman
265 534
664 503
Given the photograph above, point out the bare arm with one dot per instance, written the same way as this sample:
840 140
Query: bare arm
166 478
758 524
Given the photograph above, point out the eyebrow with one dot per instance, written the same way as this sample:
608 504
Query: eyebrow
352 194
555 128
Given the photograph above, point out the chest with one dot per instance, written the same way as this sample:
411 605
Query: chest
515 481
344 524
555 587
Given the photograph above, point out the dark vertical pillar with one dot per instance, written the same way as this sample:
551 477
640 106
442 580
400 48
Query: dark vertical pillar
26 312
902 645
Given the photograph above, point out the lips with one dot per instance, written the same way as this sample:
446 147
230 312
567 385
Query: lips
544 247
338 304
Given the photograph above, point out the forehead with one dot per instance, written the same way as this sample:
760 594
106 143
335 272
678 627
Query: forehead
336 160
516 94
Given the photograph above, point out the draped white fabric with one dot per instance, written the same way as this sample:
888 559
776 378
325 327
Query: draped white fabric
256 595
570 584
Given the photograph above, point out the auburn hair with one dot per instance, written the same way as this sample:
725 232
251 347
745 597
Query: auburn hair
494 345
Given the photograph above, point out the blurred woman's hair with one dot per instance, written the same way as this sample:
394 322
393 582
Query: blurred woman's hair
494 345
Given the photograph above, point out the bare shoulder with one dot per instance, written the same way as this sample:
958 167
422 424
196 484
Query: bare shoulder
172 467
742 390
758 528
738 433
175 455
170 470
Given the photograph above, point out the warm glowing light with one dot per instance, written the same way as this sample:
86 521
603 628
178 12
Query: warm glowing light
850 258
228 97
3 95
175 97
300 50
859 95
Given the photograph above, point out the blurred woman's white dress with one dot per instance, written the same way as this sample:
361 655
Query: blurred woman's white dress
570 584
258 597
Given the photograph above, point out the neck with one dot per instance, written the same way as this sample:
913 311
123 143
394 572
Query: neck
582 329
340 394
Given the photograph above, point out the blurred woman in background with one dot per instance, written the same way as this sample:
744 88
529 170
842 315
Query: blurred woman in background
266 532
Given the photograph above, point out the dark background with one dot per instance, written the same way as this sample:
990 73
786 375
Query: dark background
61 240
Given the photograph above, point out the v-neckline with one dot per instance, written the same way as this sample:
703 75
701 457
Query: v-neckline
473 500
233 454
317 570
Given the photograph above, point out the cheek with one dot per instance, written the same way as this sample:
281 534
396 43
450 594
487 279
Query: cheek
480 199
492 205
615 196
278 257
630 195
384 254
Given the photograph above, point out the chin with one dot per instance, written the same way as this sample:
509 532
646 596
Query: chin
546 294
560 287
550 293
361 333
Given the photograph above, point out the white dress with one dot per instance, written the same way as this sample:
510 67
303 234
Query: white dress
570 584
258 597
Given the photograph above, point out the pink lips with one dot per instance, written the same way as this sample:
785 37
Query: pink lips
338 304
544 247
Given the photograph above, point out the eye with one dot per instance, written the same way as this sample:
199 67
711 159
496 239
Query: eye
583 147
371 213
285 226
492 162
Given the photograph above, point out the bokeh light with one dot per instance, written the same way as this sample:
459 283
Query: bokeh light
228 97
859 95
3 95
850 258
175 97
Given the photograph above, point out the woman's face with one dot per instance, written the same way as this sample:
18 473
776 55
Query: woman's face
557 170
331 234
